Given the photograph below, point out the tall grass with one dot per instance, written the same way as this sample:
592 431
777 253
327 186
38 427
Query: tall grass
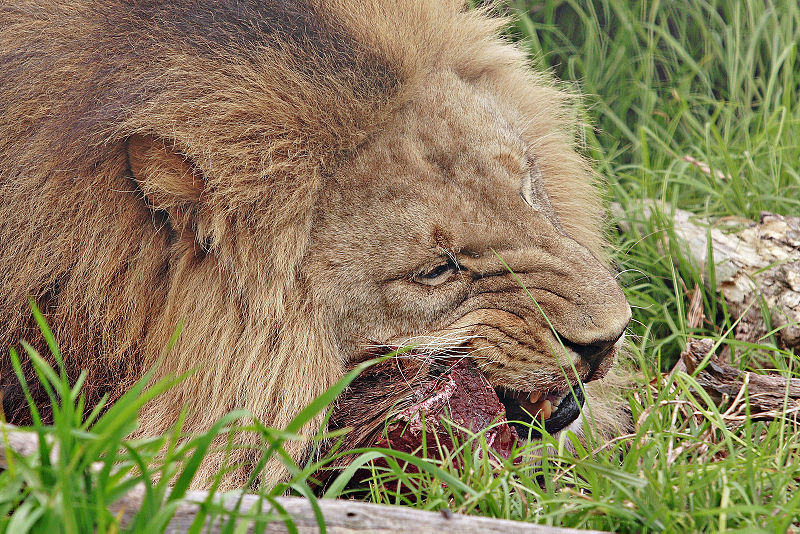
85 464
717 81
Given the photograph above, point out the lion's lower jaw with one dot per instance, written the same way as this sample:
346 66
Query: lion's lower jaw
604 416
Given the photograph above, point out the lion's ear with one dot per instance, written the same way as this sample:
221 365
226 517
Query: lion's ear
168 180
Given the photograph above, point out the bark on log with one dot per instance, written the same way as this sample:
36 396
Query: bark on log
755 264
341 516
351 517
770 396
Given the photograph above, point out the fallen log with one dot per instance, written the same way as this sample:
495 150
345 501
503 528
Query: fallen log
770 396
351 517
756 267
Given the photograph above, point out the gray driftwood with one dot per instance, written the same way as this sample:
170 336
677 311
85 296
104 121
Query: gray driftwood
351 517
341 516
755 264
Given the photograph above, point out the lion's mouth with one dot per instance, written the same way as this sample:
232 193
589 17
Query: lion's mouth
556 408
524 411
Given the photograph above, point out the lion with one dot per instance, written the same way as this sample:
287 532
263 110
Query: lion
294 181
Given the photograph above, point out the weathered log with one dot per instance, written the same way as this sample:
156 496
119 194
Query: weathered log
352 517
770 396
756 264
340 516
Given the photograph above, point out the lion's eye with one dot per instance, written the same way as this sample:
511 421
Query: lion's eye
438 275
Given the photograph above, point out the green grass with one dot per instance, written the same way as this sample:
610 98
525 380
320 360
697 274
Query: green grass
662 80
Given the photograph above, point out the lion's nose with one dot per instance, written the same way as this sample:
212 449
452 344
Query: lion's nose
595 344
593 353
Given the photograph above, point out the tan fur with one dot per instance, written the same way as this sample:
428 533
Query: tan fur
274 175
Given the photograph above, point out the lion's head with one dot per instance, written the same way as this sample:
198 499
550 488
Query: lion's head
295 181
440 233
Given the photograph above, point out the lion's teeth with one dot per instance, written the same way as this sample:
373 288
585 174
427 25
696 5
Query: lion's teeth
546 409
536 403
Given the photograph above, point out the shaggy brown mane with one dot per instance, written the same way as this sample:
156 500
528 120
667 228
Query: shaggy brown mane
263 100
